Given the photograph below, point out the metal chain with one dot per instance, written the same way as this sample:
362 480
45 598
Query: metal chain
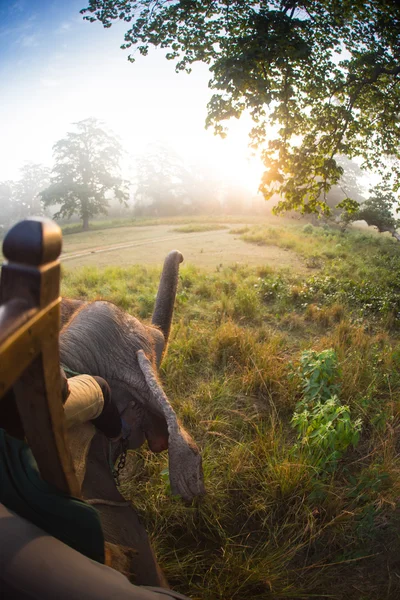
121 461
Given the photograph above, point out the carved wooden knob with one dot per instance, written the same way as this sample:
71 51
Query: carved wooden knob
35 241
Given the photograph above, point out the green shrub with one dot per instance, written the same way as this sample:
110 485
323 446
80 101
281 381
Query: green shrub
323 424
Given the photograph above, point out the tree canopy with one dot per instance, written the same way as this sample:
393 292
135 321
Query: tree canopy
86 170
160 176
377 210
319 77
33 179
7 205
21 198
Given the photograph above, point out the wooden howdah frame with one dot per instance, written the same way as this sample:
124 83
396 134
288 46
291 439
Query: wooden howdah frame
29 351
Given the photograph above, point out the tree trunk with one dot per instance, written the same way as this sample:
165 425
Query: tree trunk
85 219
396 235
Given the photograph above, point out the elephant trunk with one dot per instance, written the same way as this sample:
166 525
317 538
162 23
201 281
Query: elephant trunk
165 300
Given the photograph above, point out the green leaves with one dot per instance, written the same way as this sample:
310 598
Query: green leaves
324 74
378 210
86 169
21 198
324 425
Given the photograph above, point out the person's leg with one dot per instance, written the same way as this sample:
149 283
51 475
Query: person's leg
85 401
37 566
90 400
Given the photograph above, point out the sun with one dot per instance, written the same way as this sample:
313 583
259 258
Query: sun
234 160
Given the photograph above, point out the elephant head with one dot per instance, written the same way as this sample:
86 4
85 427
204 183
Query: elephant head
101 339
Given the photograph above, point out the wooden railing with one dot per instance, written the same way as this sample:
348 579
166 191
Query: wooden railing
29 353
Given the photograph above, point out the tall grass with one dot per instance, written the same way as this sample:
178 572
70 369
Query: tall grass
358 270
199 227
274 523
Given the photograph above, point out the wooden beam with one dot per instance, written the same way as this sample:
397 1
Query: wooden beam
29 353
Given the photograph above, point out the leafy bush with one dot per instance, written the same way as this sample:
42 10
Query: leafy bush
324 425
273 287
369 296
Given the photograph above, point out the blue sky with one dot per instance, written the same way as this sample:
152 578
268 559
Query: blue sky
56 69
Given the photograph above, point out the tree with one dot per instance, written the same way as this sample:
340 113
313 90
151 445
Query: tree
7 205
203 186
34 178
320 79
377 210
20 199
86 170
160 179
166 185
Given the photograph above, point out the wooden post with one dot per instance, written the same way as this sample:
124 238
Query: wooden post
29 354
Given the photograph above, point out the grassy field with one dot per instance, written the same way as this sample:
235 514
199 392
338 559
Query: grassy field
288 377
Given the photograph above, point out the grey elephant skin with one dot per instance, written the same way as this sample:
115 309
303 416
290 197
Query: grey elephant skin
98 338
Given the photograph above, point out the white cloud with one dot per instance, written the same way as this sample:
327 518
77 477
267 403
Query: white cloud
64 28
28 41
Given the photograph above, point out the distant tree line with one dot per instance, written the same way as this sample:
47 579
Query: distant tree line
85 182
165 186
20 199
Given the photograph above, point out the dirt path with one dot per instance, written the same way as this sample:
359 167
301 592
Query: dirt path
79 254
150 245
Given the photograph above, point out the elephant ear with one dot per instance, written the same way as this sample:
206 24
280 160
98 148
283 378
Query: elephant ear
185 465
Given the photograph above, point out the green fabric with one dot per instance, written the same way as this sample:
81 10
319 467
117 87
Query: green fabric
23 491
69 372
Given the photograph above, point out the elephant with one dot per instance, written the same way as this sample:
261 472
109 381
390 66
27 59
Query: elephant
98 338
